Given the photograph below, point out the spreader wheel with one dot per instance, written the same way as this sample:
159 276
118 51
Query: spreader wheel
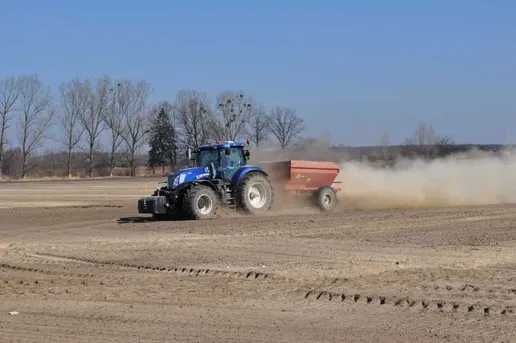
326 198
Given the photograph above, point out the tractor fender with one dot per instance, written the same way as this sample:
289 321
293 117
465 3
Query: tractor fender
242 172
185 186
207 183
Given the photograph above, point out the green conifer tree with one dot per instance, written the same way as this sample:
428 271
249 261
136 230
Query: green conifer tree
163 141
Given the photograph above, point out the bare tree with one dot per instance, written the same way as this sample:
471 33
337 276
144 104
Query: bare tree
385 139
92 118
135 120
74 102
114 118
195 117
235 110
35 116
285 125
9 93
445 140
424 134
259 126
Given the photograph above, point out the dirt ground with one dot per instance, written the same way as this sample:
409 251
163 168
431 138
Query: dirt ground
78 265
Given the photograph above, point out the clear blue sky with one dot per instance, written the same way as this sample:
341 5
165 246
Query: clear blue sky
352 69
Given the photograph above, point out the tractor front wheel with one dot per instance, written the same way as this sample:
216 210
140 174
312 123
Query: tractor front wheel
200 202
255 194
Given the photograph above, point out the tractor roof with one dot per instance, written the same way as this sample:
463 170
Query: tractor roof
222 145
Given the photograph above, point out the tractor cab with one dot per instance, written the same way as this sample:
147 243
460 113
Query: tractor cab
223 159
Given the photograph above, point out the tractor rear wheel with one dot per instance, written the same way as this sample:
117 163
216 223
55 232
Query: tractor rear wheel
200 202
326 198
255 194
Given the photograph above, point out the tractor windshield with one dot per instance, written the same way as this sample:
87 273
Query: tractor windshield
206 157
233 158
225 160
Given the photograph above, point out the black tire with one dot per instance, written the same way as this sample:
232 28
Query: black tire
200 202
326 199
255 194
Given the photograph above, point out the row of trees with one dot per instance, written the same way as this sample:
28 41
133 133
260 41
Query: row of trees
89 114
191 122
85 110
424 134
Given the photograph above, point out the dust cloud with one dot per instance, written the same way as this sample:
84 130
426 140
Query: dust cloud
466 179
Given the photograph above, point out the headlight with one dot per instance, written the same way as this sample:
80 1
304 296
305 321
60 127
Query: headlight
176 181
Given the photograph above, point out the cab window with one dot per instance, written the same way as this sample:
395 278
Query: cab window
207 157
235 158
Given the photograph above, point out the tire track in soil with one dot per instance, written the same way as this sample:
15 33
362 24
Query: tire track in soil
468 288
431 305
462 288
251 275
400 302
43 271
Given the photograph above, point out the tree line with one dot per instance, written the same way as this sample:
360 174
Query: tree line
89 120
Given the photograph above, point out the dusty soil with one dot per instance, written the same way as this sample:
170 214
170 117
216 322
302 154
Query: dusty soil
78 265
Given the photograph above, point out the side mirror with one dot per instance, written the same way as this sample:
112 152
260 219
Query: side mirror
247 154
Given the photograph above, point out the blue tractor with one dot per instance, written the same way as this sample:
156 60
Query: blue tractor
221 177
